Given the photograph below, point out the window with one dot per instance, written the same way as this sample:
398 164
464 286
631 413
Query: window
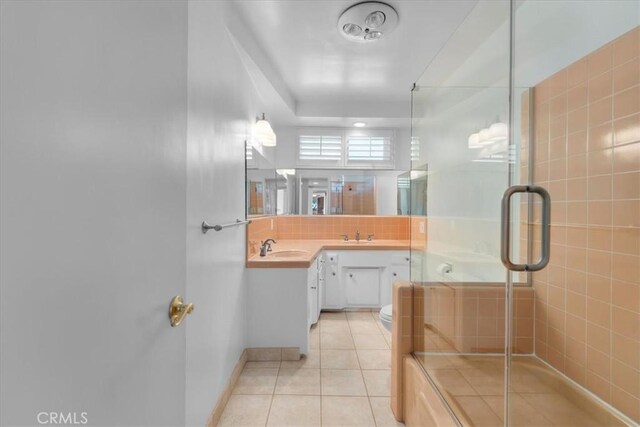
320 149
369 149
248 154
324 147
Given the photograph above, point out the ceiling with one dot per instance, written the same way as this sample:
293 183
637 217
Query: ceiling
310 75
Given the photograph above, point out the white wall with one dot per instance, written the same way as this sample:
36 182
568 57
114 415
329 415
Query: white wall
92 198
123 128
222 107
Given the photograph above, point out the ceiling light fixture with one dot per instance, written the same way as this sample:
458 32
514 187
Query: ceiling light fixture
368 21
264 133
359 124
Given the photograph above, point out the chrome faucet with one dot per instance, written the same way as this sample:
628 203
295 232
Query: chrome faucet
266 247
370 237
345 237
358 236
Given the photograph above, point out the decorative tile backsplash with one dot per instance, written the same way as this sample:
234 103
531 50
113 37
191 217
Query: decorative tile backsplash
325 227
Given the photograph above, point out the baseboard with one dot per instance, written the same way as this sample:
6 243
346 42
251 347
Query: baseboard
214 418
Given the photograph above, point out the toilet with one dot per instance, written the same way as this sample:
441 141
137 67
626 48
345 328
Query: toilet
385 316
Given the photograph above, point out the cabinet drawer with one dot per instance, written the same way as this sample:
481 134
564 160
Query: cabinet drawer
331 258
400 259
400 272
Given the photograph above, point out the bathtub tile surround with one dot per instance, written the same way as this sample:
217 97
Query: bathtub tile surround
329 386
587 148
469 318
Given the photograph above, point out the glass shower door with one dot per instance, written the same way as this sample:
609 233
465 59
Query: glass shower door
503 337
460 120
580 139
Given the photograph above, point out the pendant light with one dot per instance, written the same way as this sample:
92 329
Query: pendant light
264 133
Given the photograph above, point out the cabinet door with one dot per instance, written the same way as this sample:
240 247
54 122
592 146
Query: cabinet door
362 287
333 290
312 305
399 272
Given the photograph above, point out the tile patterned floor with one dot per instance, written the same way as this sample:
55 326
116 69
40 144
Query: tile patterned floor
343 381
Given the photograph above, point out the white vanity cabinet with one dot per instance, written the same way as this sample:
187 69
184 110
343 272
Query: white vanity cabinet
362 278
282 304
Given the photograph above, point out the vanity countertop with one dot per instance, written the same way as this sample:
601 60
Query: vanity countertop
301 253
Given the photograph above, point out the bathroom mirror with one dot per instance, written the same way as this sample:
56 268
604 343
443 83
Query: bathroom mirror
412 192
341 192
260 183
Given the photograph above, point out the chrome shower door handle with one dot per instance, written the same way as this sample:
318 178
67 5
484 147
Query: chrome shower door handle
505 247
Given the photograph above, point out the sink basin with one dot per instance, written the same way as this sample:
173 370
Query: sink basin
290 253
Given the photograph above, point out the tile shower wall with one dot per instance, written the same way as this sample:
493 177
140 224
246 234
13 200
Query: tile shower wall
586 146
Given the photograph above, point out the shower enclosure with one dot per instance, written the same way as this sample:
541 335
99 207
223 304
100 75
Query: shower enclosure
526 251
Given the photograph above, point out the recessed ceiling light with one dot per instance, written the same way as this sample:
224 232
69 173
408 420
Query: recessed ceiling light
359 124
368 21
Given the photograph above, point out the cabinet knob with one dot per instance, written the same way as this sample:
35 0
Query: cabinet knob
333 274
407 259
313 287
395 274
350 275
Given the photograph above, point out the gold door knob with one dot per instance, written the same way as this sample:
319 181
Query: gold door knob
178 310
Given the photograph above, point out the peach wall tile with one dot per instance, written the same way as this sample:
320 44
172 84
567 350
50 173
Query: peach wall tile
625 322
599 238
627 129
587 302
600 137
626 268
625 350
626 47
599 187
626 240
626 295
598 312
626 185
599 338
599 287
577 143
577 97
578 167
601 111
599 213
627 158
600 61
599 363
627 102
577 73
627 75
600 86
577 236
600 162
576 189
626 213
